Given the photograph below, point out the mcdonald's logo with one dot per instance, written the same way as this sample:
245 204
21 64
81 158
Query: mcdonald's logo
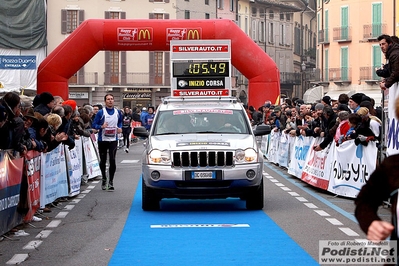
144 34
193 35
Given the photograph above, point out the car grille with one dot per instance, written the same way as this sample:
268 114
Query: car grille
202 158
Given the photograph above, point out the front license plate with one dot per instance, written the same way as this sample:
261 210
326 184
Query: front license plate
203 175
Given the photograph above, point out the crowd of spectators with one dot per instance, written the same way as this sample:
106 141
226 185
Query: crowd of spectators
335 120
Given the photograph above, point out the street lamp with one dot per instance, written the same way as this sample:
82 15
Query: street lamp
303 68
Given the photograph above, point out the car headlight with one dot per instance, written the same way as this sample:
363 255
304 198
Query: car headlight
246 156
159 157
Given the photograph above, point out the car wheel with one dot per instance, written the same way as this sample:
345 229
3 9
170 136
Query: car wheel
255 198
150 201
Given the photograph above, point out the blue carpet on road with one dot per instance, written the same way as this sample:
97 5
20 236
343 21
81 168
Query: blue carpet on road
262 243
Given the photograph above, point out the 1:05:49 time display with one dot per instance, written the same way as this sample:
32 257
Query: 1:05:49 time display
183 69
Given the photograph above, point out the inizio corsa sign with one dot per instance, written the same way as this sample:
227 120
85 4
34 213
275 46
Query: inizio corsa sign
17 62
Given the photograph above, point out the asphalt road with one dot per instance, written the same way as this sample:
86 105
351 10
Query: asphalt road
86 229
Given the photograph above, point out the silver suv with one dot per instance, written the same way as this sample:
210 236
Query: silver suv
201 148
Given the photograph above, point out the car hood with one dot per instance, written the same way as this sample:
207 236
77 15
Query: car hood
202 141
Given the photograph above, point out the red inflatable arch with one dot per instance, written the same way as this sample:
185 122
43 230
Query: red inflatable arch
95 35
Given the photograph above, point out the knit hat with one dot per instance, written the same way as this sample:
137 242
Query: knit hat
357 97
46 98
277 109
319 106
71 103
326 99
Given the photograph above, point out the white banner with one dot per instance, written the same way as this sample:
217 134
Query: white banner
53 177
74 168
272 154
392 134
284 150
317 167
90 154
351 168
299 152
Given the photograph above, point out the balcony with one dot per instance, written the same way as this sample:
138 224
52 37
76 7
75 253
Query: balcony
290 78
342 34
340 76
368 75
136 79
88 78
323 36
372 31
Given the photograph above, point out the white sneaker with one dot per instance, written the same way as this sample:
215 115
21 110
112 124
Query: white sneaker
127 150
36 219
21 233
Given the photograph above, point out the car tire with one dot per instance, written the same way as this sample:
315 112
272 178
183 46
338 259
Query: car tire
255 199
150 201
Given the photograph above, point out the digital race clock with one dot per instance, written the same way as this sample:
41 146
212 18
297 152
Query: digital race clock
195 69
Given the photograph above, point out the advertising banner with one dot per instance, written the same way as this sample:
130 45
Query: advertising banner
53 177
74 170
299 152
10 186
351 168
32 168
316 170
392 136
90 154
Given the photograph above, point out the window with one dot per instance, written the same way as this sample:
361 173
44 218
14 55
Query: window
288 17
271 14
262 31
207 2
253 10
254 31
207 16
262 13
282 34
271 32
232 5
70 20
281 16
220 4
187 14
158 67
187 0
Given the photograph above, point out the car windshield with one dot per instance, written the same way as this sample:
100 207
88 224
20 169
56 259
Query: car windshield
201 121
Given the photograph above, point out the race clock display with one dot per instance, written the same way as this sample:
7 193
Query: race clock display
195 69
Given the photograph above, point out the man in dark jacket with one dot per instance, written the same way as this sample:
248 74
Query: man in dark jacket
391 51
329 120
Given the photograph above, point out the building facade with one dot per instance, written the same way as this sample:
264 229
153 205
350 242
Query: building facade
348 51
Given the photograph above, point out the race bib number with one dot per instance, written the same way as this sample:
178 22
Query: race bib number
110 132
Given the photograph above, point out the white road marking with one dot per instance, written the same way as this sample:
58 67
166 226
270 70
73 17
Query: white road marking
91 187
165 226
334 221
17 259
44 234
69 207
81 196
85 191
61 215
129 161
75 201
95 181
54 223
33 244
273 180
279 184
311 205
285 188
293 194
348 231
301 199
321 213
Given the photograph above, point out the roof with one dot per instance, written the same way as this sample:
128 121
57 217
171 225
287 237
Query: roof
279 3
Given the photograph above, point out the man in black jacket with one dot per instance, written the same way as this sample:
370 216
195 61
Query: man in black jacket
391 51
329 120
